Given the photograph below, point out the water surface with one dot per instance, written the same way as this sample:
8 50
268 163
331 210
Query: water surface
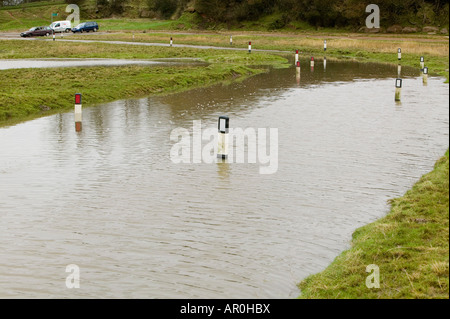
110 200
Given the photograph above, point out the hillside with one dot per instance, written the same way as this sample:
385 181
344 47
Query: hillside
397 16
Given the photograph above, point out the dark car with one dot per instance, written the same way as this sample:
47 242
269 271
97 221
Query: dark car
37 31
86 27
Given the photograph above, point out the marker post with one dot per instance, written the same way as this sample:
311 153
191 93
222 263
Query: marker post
78 113
398 89
224 128
425 76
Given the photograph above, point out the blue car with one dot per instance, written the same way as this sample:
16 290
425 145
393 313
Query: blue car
86 27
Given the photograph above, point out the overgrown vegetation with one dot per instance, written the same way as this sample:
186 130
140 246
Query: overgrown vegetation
410 246
349 14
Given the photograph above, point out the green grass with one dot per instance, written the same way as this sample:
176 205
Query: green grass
371 49
22 18
29 93
410 245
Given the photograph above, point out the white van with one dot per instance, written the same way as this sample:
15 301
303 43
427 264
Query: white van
61 26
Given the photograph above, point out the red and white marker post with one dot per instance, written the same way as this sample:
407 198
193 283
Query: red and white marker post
296 57
312 62
298 72
78 113
171 41
250 47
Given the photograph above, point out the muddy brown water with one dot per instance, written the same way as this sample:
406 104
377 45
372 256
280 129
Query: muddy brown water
111 201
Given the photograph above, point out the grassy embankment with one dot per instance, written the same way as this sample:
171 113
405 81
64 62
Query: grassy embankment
29 93
373 48
21 18
410 245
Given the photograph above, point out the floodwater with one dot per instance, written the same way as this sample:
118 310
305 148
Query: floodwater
111 201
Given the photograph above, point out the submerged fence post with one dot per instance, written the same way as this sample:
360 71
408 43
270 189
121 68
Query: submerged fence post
398 89
425 75
224 128
78 113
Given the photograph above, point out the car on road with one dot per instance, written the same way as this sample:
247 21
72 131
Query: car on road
37 31
86 27
61 26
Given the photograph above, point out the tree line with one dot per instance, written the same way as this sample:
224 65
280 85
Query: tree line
318 13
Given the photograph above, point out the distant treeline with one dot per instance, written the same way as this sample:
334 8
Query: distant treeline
317 13
326 13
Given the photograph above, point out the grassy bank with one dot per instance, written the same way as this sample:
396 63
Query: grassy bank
368 48
29 93
410 245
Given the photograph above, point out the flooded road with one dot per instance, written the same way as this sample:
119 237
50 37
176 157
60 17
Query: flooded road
111 201
58 63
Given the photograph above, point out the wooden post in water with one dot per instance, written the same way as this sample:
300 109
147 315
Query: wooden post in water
78 113
398 90
224 128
